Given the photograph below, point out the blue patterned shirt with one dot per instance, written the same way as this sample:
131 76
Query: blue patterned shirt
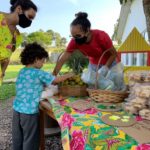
29 87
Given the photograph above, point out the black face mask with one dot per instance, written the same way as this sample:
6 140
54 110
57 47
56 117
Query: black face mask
81 41
24 22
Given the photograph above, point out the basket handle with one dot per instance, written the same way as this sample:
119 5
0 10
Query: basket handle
59 58
96 81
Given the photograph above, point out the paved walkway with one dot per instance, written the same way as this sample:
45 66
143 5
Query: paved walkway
5 124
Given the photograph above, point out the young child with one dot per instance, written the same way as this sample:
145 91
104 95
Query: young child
29 86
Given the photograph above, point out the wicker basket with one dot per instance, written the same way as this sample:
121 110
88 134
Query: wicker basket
106 96
76 90
72 90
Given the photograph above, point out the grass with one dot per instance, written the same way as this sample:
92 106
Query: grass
7 90
13 70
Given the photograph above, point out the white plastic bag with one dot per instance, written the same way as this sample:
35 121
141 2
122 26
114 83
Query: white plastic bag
113 80
89 77
49 91
115 74
104 83
103 71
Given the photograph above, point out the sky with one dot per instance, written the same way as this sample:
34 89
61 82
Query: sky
58 14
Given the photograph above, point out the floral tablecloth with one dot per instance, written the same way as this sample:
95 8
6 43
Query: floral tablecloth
84 130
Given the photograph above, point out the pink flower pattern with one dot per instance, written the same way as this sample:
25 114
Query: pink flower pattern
78 141
139 118
62 102
9 46
67 121
143 147
91 111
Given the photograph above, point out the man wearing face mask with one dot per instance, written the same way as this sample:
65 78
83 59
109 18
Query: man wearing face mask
92 43
22 13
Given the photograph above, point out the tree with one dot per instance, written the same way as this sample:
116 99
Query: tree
44 38
114 36
51 34
40 37
146 7
57 39
24 35
24 39
63 42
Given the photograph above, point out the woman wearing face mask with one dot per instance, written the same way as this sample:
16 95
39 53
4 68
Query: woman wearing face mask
22 13
91 43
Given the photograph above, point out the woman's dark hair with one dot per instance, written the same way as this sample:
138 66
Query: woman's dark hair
81 19
31 52
25 5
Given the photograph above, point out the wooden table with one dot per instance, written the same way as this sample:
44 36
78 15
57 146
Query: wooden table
140 131
45 108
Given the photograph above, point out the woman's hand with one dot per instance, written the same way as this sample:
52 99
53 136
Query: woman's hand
63 58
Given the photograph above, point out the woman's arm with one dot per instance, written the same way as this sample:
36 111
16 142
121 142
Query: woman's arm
112 56
64 57
4 64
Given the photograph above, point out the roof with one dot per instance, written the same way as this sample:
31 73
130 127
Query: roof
135 42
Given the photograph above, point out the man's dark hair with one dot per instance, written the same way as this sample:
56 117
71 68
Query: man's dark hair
31 52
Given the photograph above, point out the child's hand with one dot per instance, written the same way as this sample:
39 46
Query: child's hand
63 78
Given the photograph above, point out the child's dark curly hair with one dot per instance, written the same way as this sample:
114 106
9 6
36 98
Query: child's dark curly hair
32 52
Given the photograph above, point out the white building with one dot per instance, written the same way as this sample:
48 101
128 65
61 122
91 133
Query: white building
132 15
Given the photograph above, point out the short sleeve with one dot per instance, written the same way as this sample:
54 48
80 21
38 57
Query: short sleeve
71 46
46 78
105 41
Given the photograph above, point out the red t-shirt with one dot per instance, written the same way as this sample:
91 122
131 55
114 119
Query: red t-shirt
99 43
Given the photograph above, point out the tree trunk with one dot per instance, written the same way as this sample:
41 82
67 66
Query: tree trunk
146 7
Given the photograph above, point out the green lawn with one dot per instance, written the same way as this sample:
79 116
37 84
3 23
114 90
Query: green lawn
8 90
13 70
